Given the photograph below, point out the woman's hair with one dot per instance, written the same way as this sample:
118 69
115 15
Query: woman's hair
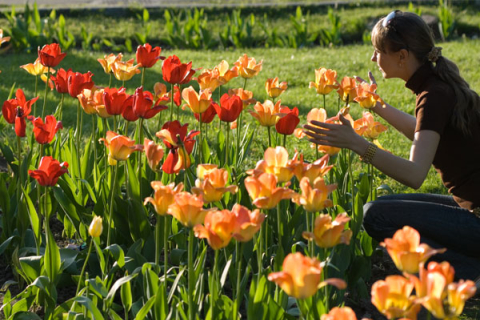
405 30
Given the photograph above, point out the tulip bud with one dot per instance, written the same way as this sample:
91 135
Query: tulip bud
96 227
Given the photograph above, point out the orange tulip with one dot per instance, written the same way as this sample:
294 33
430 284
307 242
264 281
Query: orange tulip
124 70
325 81
301 276
154 154
343 313
275 161
266 113
161 95
119 147
245 95
367 127
225 73
328 234
248 67
247 223
188 209
312 171
2 38
274 88
163 196
208 79
347 89
92 102
314 199
406 251
213 186
264 191
108 61
218 228
393 298
204 169
198 103
438 293
36 68
366 96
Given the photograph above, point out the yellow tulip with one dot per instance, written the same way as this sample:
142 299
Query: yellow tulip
95 229
275 161
124 70
36 68
108 61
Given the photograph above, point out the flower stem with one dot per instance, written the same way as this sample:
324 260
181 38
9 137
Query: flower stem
216 288
269 137
191 277
113 185
84 266
171 102
46 94
227 145
143 76
238 297
35 104
139 171
158 228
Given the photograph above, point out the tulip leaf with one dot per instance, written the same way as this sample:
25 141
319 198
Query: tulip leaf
126 296
52 260
142 313
225 272
138 220
100 255
31 267
175 283
33 216
97 287
118 284
91 307
133 180
67 206
256 298
117 253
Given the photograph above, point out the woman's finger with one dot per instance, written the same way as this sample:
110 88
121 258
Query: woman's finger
320 124
371 77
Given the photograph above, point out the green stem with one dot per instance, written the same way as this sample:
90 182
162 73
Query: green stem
238 297
350 174
139 171
143 76
201 139
171 101
325 277
113 184
227 144
84 266
158 228
279 225
35 104
259 252
60 116
191 278
324 102
110 80
165 247
94 140
269 137
284 140
216 287
46 94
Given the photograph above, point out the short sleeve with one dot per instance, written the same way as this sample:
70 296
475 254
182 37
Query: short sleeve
434 110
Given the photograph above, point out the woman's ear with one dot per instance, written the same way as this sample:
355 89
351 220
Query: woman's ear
403 55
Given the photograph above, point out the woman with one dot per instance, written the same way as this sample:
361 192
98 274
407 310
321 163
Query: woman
445 132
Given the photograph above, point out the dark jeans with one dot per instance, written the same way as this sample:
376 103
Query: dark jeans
440 222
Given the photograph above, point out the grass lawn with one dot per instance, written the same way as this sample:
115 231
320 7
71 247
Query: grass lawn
294 66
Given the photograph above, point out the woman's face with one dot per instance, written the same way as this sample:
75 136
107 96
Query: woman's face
387 62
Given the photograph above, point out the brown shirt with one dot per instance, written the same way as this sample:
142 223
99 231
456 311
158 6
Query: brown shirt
457 159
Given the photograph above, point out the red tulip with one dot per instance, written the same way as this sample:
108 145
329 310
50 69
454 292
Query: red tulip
177 96
142 104
146 56
288 121
49 171
45 132
61 80
116 100
230 107
51 55
176 72
78 81
208 115
16 110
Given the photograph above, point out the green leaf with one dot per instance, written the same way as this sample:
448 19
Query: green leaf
33 216
117 253
256 298
26 316
31 267
142 313
52 261
91 307
126 296
101 258
118 284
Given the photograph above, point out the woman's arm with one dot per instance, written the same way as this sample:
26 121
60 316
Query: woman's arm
403 122
410 172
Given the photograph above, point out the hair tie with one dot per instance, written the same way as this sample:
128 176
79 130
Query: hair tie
434 54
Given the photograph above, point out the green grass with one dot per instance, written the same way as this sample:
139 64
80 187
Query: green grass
294 66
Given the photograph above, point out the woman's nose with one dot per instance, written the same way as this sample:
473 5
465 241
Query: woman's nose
374 57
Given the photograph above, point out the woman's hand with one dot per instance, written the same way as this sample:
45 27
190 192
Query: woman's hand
370 76
332 134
